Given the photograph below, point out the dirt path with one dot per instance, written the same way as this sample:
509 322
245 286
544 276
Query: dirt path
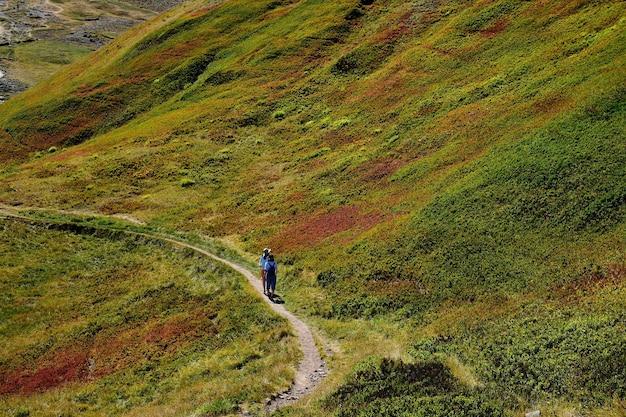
310 370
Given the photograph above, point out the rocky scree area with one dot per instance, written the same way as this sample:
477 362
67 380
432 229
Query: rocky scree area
91 24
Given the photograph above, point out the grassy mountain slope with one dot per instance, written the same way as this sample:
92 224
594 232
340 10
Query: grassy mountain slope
454 168
113 324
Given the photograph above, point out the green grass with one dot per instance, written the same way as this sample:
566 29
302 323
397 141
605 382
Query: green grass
32 62
442 184
96 325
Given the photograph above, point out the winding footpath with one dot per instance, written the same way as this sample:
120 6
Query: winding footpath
311 368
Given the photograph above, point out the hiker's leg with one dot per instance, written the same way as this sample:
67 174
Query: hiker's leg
271 285
263 282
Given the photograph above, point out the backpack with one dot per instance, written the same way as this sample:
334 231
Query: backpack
271 268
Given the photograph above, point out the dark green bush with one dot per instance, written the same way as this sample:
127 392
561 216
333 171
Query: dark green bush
556 357
388 387
223 77
186 73
361 61
362 306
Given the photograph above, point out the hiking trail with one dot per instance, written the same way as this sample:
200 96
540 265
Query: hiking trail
311 369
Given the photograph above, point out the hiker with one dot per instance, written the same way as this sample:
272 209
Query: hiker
271 268
262 262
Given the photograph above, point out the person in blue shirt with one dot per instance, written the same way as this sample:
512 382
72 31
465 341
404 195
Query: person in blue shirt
262 262
271 270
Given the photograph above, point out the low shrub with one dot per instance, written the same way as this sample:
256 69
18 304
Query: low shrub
279 114
388 387
187 182
219 407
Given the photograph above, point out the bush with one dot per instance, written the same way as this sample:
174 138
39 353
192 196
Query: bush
389 387
554 356
361 306
219 407
279 114
341 123
187 182
362 60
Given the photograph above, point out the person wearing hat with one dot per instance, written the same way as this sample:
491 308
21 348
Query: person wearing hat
271 269
262 262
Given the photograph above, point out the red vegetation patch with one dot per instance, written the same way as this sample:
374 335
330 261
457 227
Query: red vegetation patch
339 137
406 23
397 31
496 28
388 92
68 154
429 18
10 149
68 365
433 48
182 50
155 339
379 170
87 90
550 11
296 198
552 104
613 275
315 228
125 82
46 172
172 56
81 119
279 12
594 279
116 206
182 329
110 351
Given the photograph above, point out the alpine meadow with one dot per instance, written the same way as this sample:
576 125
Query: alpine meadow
442 182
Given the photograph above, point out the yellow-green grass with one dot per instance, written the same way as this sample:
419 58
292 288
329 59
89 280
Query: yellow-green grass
33 62
412 165
112 325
